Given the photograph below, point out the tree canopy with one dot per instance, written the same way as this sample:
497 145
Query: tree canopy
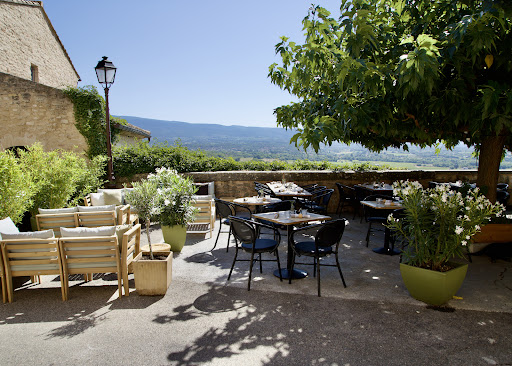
388 73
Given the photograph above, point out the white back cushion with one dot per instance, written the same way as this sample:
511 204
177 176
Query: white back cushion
7 226
81 232
57 210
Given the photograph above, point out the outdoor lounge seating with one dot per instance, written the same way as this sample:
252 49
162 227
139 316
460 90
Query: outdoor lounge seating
106 197
205 218
69 219
30 254
326 242
246 233
86 251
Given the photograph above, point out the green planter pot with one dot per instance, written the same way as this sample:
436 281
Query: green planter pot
432 287
175 236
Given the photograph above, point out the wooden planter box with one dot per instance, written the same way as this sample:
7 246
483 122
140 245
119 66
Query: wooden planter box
491 233
152 277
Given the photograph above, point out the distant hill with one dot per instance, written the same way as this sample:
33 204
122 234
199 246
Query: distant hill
171 130
269 143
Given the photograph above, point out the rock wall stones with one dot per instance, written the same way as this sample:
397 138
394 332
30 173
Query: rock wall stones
28 39
31 112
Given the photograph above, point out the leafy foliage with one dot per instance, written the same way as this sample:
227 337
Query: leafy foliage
89 107
16 188
388 73
438 223
60 177
145 158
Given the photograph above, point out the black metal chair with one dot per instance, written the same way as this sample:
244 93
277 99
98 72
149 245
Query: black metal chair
502 186
326 242
374 216
224 209
502 197
309 187
361 194
320 202
246 233
347 196
264 189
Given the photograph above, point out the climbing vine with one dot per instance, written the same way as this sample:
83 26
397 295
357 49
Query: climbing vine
89 107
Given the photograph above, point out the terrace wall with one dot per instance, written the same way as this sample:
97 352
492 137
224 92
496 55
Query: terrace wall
235 184
31 112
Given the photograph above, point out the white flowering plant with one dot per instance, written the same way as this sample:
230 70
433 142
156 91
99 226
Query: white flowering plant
438 223
174 197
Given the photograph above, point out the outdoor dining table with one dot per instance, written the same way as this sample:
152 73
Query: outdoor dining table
389 206
257 202
289 219
288 190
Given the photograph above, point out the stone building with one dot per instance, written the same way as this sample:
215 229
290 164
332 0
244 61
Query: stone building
34 68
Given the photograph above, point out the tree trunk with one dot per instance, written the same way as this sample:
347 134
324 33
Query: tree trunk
489 160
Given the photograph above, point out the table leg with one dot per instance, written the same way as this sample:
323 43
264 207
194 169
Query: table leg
285 273
386 249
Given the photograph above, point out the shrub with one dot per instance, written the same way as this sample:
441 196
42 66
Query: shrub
16 188
59 176
145 158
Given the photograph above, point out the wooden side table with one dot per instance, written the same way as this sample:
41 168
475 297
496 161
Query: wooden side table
158 248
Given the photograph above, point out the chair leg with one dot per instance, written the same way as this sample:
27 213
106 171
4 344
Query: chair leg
261 264
339 270
234 260
314 266
229 237
218 234
250 272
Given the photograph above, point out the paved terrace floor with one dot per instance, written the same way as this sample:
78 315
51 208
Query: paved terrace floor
205 320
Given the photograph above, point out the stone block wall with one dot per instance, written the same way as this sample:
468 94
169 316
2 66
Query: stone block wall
28 38
31 112
235 184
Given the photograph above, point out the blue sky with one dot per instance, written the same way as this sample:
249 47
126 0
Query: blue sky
193 61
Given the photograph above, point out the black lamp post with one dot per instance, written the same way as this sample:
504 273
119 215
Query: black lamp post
106 73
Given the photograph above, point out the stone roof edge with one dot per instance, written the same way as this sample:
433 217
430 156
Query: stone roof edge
39 4
133 129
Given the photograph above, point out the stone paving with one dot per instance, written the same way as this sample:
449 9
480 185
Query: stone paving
205 319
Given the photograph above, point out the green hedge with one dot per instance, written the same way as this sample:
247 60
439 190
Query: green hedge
145 158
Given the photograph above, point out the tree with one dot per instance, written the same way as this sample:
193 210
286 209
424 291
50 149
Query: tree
389 73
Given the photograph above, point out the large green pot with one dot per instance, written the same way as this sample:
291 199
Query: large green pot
175 236
432 287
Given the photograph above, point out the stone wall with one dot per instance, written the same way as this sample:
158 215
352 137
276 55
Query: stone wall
31 112
235 184
28 38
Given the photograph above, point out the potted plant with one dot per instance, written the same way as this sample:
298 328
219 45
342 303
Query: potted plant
175 205
152 276
437 224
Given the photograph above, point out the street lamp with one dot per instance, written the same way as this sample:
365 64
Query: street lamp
106 73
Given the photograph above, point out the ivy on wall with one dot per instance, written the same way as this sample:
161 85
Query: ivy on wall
89 107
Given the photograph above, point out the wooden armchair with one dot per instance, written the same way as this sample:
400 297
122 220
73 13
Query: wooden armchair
96 218
56 221
30 257
130 247
93 254
205 218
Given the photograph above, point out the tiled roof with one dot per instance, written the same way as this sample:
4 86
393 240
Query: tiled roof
133 129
